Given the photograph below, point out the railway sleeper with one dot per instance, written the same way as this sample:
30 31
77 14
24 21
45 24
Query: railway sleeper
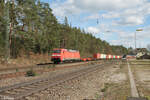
25 88
19 90
34 89
5 94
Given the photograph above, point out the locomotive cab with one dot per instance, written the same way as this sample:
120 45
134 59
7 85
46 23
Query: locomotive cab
56 55
65 55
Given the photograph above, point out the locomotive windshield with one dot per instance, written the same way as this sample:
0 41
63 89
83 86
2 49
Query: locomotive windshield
56 51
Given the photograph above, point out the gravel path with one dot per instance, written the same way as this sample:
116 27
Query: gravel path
134 92
142 78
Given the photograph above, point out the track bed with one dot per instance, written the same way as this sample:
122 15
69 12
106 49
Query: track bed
21 90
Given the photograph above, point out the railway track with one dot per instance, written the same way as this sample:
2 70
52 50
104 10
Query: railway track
41 68
20 91
14 72
42 65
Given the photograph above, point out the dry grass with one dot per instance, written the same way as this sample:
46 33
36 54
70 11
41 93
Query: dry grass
141 71
26 61
117 90
140 62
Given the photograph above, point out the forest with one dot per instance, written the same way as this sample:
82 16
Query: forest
30 26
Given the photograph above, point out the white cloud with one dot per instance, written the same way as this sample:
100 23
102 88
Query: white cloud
102 29
93 16
127 38
130 20
93 30
109 5
122 37
65 8
126 17
128 12
110 15
115 13
78 6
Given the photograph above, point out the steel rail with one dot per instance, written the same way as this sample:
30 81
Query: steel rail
42 84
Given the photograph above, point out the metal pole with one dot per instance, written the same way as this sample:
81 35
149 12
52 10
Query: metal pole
135 39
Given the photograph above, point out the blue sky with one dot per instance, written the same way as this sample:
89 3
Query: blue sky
115 21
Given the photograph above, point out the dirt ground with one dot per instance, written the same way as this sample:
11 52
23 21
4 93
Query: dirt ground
110 83
25 61
20 79
117 87
141 70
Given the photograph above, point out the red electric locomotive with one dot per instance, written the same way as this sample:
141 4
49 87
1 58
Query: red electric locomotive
64 55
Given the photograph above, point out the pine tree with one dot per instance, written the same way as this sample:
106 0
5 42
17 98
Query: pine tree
34 28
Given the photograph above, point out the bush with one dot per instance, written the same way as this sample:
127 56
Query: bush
51 66
148 97
30 73
17 69
106 85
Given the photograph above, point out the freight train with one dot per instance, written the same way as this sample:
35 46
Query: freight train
60 55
